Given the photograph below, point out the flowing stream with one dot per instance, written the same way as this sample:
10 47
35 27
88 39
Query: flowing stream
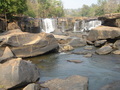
100 69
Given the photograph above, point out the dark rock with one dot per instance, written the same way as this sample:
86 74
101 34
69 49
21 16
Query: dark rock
6 55
71 83
104 50
103 33
117 44
32 86
17 72
112 86
75 61
78 42
100 43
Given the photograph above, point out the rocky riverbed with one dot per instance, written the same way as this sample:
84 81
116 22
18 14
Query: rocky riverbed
97 62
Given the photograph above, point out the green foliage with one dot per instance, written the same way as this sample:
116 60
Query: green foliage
46 8
12 7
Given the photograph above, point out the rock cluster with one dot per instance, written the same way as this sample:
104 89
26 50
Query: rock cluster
106 38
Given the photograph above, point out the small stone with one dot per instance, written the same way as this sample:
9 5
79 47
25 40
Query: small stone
75 61
88 47
88 55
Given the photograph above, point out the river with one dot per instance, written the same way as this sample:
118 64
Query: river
100 69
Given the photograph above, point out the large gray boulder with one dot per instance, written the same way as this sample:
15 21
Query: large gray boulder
103 33
104 50
71 83
17 72
25 44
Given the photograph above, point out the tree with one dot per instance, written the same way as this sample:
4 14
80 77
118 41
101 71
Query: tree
12 7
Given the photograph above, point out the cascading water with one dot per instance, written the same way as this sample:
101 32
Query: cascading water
76 26
48 25
80 26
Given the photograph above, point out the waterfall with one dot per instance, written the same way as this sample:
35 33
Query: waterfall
84 25
48 25
76 26
92 24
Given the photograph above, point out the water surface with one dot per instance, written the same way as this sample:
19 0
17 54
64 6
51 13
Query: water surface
100 69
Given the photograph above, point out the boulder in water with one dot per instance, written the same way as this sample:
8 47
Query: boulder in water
103 33
104 50
17 72
71 83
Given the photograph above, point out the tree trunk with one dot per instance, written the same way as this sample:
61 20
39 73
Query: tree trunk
6 21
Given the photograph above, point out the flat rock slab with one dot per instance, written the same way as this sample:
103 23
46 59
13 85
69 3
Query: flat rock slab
71 83
103 33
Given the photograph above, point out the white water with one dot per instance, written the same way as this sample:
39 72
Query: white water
49 25
80 26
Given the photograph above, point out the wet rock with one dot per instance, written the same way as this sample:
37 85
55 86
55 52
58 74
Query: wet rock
88 55
100 43
17 72
25 44
65 47
104 50
75 61
117 44
88 47
71 83
103 33
78 42
6 55
112 86
32 86
117 52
